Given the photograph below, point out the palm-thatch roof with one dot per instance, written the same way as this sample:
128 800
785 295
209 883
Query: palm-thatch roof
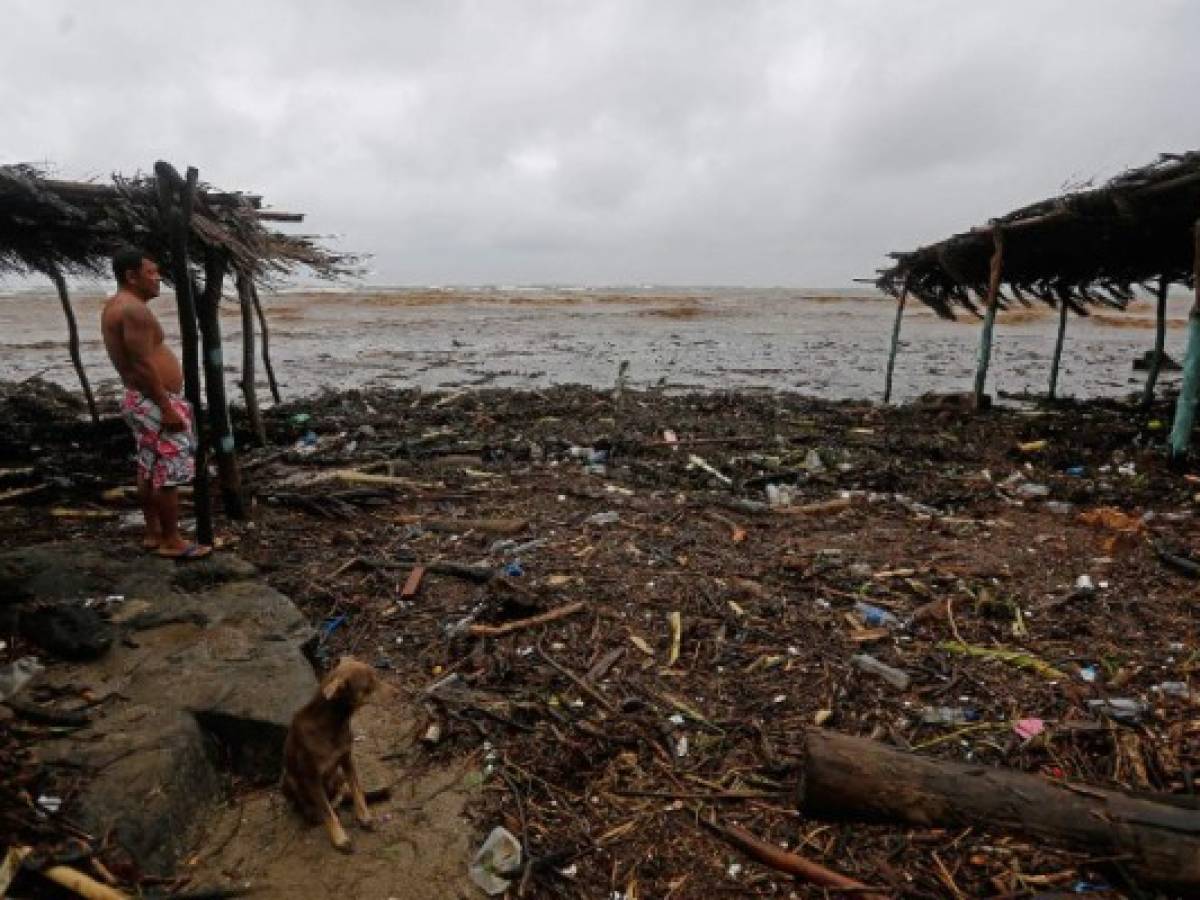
1085 247
48 225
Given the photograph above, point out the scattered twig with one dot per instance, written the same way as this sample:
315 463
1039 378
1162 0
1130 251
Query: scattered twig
782 861
553 615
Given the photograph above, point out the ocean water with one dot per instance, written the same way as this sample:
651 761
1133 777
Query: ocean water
829 343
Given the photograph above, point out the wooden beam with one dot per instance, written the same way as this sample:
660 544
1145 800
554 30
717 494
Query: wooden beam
1063 308
1160 340
891 364
272 215
216 262
249 391
1185 406
989 320
60 285
266 344
175 219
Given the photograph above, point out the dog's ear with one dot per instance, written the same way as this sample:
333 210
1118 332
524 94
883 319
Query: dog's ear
334 686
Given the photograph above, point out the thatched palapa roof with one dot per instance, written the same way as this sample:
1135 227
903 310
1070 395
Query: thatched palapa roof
1085 247
48 225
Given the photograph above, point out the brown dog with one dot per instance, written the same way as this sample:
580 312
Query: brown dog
317 765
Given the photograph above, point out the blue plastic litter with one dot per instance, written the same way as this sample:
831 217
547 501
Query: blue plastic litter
875 617
1074 471
514 570
329 626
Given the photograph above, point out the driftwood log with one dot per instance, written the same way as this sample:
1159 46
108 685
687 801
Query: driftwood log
853 778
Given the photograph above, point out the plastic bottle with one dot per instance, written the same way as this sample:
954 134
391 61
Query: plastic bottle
948 715
1173 689
874 617
896 678
1123 709
780 495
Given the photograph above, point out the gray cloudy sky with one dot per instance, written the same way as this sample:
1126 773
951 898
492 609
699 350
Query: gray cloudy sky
758 143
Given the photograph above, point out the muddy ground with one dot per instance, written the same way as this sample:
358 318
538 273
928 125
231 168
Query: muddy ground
715 630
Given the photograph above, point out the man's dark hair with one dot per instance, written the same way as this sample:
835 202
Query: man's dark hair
125 260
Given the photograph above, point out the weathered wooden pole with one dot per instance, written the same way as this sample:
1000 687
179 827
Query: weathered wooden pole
177 221
891 366
216 261
266 338
249 393
1063 309
989 319
1185 406
60 284
1160 341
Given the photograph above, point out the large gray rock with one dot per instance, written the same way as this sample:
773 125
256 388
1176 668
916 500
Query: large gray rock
205 676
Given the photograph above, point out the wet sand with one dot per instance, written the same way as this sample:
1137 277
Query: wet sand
827 343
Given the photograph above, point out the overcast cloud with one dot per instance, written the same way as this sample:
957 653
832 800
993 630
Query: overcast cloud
757 143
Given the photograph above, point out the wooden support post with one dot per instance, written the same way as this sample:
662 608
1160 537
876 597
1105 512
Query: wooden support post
215 264
1185 406
1160 341
249 392
64 298
989 319
891 365
1063 309
177 221
266 350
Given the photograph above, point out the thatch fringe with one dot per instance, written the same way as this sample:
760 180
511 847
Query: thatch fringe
1083 248
48 225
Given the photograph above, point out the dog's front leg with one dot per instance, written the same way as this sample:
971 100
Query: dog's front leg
320 800
361 814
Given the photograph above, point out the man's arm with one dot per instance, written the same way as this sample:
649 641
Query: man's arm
139 334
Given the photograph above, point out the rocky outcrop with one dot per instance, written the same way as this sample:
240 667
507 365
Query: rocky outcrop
203 677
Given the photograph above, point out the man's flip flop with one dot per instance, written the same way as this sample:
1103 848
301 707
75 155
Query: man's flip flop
191 551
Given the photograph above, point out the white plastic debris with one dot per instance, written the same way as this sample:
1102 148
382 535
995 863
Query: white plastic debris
497 860
16 675
780 495
698 462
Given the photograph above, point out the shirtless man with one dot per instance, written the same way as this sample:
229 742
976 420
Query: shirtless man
161 420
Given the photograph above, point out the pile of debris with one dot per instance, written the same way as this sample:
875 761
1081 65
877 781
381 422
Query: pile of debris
694 643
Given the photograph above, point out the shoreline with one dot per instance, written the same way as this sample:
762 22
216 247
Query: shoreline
828 346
